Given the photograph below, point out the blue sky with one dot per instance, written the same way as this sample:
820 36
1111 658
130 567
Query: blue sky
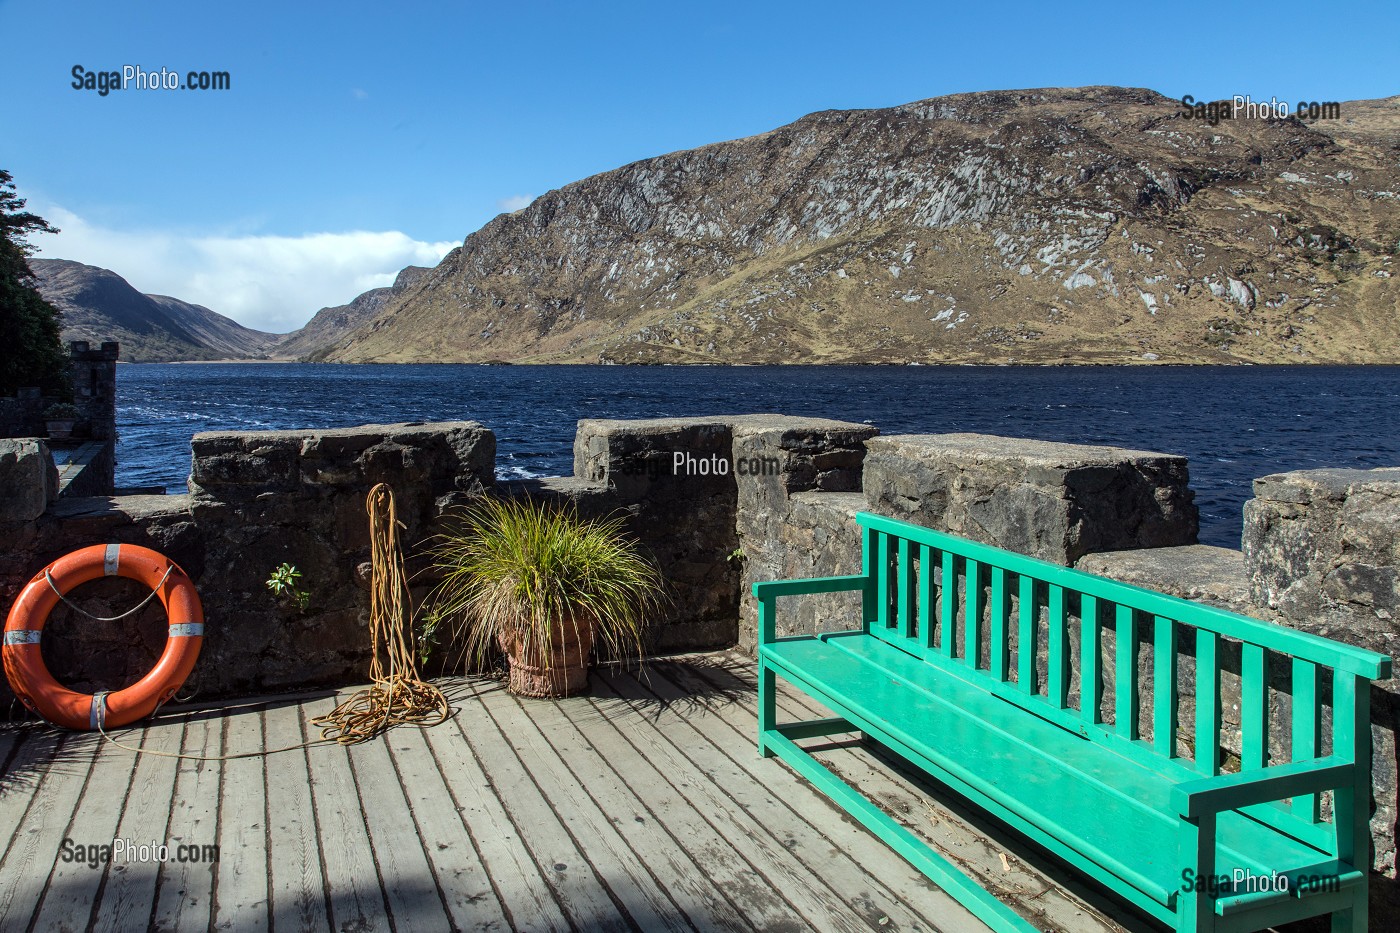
359 137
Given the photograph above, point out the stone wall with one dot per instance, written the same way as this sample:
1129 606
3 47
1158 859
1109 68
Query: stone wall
1322 554
683 517
23 415
1052 501
255 501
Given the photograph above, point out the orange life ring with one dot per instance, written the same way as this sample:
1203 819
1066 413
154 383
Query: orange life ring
24 665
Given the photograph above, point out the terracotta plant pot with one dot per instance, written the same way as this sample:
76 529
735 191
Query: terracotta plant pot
562 672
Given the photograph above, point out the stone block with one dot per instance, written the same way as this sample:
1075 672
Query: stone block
816 536
1322 554
683 514
28 479
1053 501
1321 549
787 464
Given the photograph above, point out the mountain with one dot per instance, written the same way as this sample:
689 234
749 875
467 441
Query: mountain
1092 224
320 335
98 305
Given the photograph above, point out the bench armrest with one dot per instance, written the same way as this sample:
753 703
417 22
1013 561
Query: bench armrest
768 591
765 588
1232 791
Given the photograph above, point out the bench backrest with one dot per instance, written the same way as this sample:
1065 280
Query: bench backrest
973 609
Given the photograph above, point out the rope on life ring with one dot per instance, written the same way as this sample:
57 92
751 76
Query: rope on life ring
24 664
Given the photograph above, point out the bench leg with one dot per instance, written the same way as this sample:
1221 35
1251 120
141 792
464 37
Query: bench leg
767 706
1195 909
1352 920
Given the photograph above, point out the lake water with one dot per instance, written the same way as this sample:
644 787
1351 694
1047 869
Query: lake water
1234 423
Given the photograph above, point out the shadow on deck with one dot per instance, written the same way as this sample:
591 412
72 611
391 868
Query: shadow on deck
642 806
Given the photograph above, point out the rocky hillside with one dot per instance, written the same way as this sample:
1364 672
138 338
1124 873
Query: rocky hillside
1065 225
329 326
99 305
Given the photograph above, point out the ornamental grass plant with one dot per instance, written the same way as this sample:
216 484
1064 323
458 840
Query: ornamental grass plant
546 586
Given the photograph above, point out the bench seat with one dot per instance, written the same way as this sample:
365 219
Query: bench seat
1084 801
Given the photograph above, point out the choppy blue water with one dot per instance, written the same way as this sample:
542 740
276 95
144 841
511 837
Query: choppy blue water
1234 423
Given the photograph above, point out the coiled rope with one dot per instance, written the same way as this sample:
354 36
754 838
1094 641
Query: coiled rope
399 696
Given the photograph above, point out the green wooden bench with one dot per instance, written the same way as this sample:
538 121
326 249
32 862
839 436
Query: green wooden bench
936 673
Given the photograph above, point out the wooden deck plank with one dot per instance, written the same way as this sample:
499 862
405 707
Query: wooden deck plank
654 733
873 882
70 901
353 886
722 864
130 890
581 890
520 885
241 883
895 878
186 899
30 750
409 885
296 886
585 757
47 777
643 898
461 876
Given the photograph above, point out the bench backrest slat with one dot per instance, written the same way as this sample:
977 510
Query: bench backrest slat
998 605
1026 629
1125 678
1254 707
973 606
905 584
1057 670
1207 701
1090 661
1307 729
1164 687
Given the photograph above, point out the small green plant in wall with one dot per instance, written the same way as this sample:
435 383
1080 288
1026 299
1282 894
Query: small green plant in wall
283 582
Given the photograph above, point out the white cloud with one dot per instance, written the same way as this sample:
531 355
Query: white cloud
271 283
359 93
515 202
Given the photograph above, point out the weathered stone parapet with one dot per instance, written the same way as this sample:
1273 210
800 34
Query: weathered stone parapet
28 479
1322 554
707 497
1054 501
1322 548
683 513
817 537
1214 576
263 498
796 509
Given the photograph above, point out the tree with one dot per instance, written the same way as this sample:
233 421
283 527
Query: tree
31 344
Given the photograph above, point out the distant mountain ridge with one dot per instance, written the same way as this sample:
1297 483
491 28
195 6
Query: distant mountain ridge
328 327
1055 225
97 305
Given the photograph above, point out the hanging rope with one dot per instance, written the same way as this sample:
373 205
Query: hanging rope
398 696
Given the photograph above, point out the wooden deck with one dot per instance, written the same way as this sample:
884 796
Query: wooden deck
643 806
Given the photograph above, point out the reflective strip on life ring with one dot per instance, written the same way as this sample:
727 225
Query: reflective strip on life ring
24 664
